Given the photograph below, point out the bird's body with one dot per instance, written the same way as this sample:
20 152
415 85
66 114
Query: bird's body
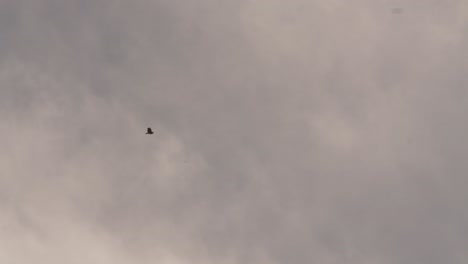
149 131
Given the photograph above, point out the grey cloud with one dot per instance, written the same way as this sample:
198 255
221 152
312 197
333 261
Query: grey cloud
298 132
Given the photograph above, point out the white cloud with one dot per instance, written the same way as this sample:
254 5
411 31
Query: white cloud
286 132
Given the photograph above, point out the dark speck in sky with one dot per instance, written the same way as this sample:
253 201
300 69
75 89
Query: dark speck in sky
397 10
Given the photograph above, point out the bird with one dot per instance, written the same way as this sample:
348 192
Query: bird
149 131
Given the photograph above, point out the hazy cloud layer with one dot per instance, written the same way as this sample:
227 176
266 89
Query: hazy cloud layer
286 131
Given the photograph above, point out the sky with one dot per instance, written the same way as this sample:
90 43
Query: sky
301 131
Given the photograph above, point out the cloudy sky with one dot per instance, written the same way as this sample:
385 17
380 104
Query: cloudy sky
301 131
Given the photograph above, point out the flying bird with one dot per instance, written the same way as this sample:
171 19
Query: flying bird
149 131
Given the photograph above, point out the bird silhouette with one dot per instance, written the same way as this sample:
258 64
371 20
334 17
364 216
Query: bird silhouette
149 131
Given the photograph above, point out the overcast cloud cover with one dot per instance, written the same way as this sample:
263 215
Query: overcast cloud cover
300 131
